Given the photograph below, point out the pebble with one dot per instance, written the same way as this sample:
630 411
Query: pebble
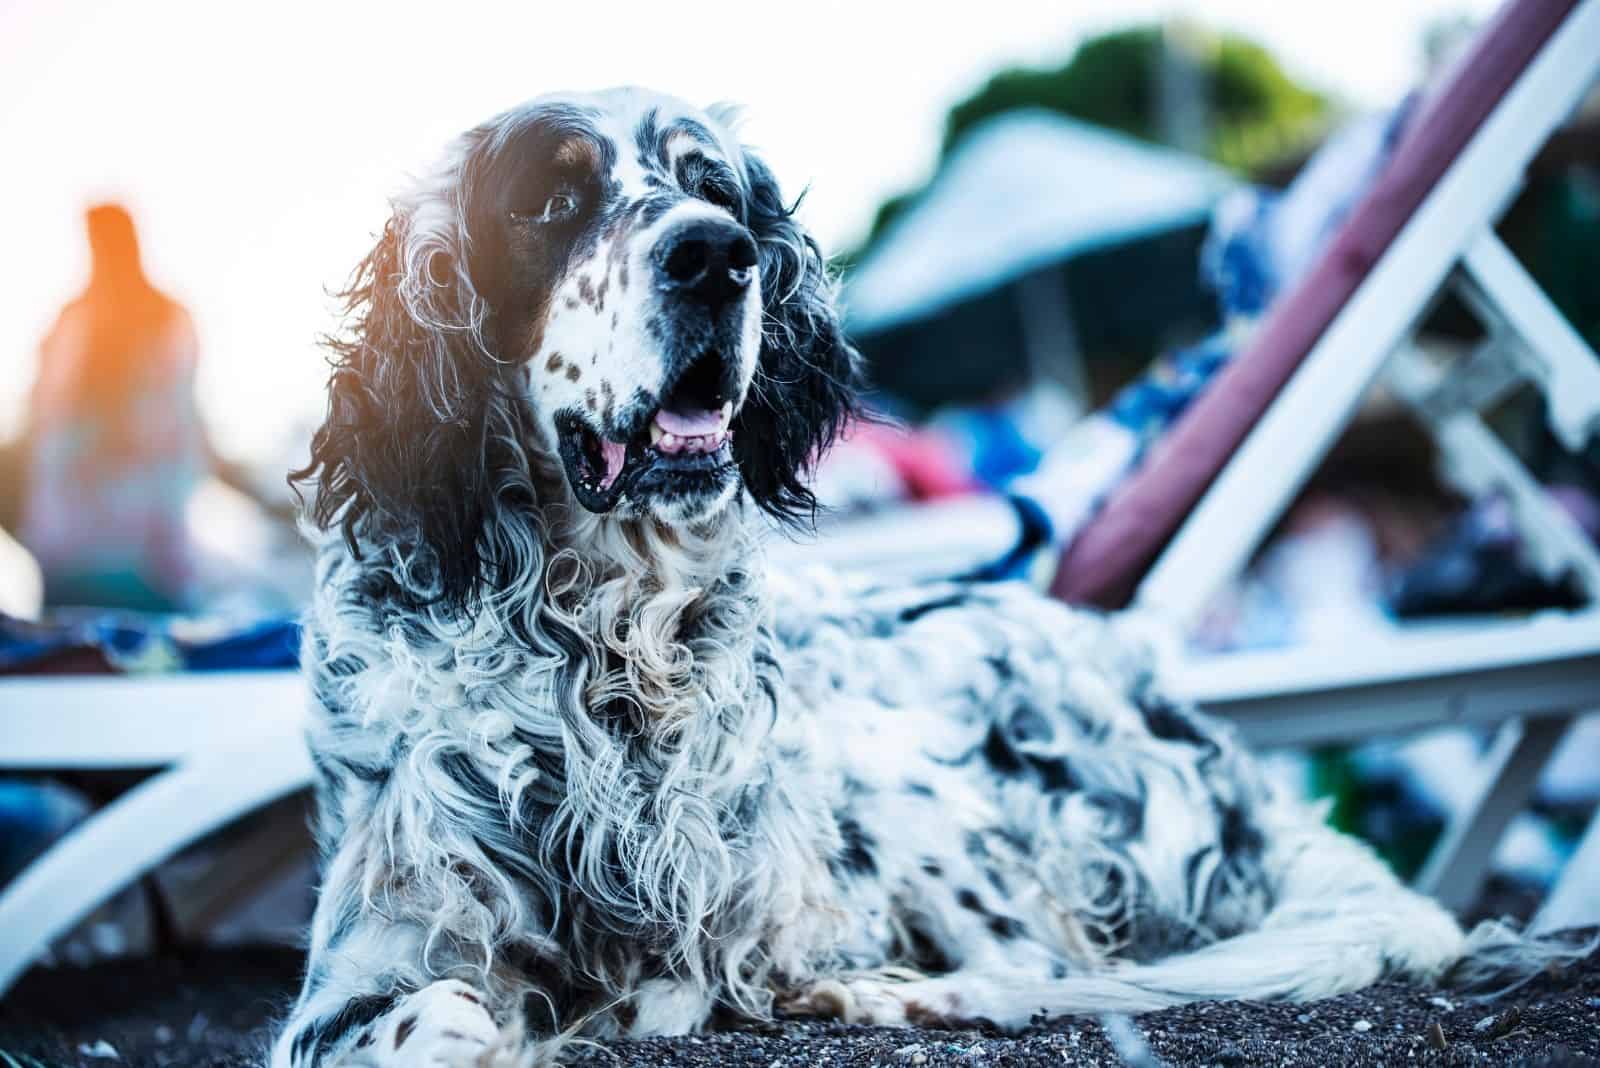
164 1034
1498 1026
1508 1022
1442 1003
1362 1025
101 1050
1230 1055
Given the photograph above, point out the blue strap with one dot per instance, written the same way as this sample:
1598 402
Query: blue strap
1035 530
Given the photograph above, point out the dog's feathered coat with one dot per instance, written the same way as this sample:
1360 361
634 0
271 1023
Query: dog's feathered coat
586 765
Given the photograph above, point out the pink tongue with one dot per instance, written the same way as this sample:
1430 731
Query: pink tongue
614 455
690 424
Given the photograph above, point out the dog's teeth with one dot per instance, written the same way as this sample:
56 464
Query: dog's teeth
726 412
656 434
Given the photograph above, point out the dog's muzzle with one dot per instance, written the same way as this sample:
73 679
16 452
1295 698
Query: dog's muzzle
673 440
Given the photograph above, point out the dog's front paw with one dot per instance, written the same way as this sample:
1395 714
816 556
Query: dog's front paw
443 1025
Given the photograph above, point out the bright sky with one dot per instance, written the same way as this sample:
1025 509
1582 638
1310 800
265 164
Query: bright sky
256 145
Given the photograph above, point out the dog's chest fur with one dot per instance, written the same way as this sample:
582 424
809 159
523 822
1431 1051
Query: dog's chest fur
740 787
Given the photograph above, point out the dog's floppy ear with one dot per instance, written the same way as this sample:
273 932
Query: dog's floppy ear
414 409
809 377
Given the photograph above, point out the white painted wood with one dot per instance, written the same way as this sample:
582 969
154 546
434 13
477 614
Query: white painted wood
1575 899
229 742
118 721
1489 374
139 830
1552 353
1398 654
1459 862
934 540
1477 463
1399 681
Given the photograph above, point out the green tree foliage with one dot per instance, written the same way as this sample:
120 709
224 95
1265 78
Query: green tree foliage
1254 113
1110 81
1259 114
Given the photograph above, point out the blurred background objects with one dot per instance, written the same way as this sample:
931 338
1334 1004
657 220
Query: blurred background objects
112 446
1053 227
113 451
259 191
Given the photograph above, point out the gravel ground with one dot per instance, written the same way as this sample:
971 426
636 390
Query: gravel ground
215 1008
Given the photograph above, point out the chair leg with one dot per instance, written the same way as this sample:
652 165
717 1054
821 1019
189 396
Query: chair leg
137 831
1459 863
1575 899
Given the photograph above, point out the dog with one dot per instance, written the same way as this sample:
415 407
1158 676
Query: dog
587 767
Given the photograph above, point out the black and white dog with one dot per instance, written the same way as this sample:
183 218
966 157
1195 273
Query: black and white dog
586 767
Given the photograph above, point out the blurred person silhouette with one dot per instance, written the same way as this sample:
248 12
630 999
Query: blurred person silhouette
113 447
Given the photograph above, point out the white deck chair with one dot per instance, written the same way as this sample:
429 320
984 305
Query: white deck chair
227 743
1191 517
1531 678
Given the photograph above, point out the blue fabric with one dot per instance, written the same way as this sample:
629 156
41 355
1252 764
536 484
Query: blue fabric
1236 262
997 449
1153 402
273 643
152 643
32 815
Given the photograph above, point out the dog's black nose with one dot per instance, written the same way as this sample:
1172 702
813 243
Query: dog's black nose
709 261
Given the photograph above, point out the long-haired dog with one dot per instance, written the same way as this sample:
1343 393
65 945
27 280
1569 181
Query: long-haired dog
587 767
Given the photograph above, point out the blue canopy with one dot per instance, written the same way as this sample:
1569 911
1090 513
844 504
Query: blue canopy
1022 191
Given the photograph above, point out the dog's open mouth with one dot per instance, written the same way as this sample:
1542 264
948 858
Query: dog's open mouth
680 446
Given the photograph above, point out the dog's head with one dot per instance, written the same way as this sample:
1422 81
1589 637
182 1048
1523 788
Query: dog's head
610 279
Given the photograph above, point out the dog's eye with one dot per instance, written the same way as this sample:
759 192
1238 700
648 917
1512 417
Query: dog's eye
558 208
722 194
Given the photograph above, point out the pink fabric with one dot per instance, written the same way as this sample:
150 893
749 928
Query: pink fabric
928 463
1105 563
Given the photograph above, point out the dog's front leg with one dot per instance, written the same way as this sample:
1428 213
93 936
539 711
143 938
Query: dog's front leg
373 997
444 1025
667 1007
